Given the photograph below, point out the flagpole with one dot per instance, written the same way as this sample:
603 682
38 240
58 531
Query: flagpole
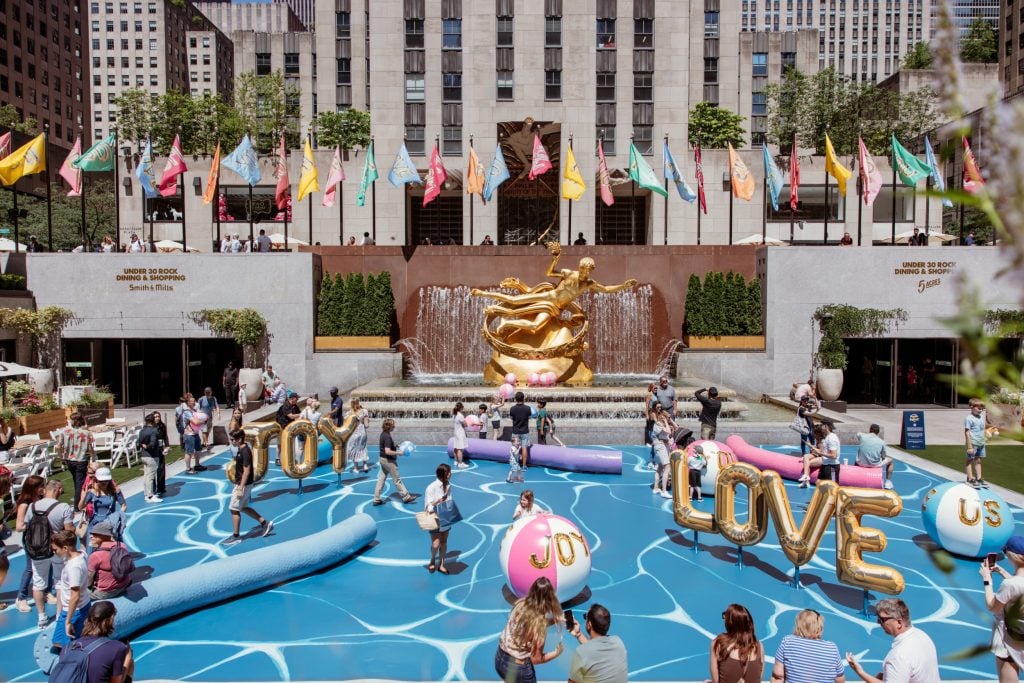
309 139
698 188
464 181
927 208
732 195
666 198
599 238
81 135
117 192
794 154
373 202
341 207
764 207
893 229
828 208
14 190
216 197
568 239
145 195
632 203
49 197
283 160
184 201
860 208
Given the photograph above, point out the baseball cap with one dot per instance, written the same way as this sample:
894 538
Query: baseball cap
104 474
334 390
1014 545
103 528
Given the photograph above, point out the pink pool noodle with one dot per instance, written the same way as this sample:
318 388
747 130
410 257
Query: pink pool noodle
791 467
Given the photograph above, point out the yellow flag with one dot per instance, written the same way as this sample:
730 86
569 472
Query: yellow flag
211 180
475 175
834 168
742 180
573 186
28 159
308 179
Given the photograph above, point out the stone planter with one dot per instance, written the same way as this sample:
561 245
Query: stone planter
830 383
745 342
252 378
350 343
42 423
42 381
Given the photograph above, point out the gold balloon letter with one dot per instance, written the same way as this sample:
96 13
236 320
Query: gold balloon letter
799 545
852 539
286 449
338 436
754 529
258 435
686 515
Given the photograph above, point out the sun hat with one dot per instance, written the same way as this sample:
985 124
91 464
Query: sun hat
1014 545
104 474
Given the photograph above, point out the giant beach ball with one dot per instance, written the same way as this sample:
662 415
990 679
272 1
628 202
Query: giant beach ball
548 379
965 520
533 379
507 391
510 378
199 418
718 455
472 423
546 545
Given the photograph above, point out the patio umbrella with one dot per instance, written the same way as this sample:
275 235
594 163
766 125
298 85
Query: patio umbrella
277 239
170 246
933 237
10 370
756 239
7 244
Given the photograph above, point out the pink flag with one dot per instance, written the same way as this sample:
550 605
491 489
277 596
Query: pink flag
603 179
436 175
794 176
5 144
334 177
973 182
541 162
72 175
284 187
700 179
870 179
175 167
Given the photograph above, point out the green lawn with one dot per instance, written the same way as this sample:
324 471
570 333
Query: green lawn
1002 464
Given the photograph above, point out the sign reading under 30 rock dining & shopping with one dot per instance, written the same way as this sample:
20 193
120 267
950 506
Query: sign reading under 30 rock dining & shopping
150 279
926 272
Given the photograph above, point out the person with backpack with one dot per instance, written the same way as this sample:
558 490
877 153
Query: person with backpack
102 501
72 592
44 519
208 406
153 447
110 564
95 657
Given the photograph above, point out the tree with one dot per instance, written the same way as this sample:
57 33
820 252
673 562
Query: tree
135 113
919 57
66 211
980 44
349 128
785 106
975 220
714 127
10 119
693 321
267 107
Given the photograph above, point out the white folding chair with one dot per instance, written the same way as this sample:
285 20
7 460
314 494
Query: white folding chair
103 444
125 450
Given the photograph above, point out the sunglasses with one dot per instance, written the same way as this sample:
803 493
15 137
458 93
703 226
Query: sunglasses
882 620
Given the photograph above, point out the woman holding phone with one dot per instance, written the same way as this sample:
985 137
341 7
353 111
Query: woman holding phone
439 491
521 643
1007 635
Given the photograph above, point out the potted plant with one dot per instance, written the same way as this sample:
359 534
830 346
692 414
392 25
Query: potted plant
29 412
838 322
723 312
43 327
249 330
354 312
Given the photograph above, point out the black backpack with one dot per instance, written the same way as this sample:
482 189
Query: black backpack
36 538
121 563
73 665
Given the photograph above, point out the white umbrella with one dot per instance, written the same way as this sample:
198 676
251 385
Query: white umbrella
169 246
756 239
278 239
13 369
904 237
7 244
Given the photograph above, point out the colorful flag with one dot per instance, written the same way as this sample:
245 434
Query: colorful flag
541 163
834 168
335 176
700 179
937 181
474 174
211 180
573 186
497 173
603 179
309 180
436 176
99 157
369 175
284 183
28 159
973 182
672 174
145 173
742 182
69 173
244 162
794 176
909 168
773 178
5 144
175 167
642 174
870 179
403 170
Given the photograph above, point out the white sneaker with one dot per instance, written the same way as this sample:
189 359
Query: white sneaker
665 494
154 499
51 599
22 606
804 477
462 466
804 483
887 485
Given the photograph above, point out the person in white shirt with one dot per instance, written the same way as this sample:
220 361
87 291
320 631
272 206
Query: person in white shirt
366 241
72 590
912 659
439 491
1007 631
824 455
526 507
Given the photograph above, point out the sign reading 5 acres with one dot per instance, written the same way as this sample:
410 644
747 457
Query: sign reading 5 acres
150 279
929 268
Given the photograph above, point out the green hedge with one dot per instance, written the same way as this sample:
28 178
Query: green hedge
723 305
12 281
354 305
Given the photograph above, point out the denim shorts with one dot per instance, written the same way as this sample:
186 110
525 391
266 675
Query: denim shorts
512 672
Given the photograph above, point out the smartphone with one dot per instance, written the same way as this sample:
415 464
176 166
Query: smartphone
570 621
991 560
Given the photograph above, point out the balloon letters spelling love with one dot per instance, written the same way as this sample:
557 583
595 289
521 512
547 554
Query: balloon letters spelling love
852 539
258 435
291 466
338 436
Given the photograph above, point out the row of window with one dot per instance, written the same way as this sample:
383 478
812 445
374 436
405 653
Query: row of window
451 35
154 44
291 64
109 26
108 7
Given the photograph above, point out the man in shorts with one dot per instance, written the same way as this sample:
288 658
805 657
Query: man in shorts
520 414
871 453
60 518
974 435
72 589
240 495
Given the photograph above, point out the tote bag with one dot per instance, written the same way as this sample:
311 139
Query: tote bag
448 512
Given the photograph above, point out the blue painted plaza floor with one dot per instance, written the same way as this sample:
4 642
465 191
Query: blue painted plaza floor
382 615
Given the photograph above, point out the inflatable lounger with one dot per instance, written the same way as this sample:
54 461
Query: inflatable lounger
192 588
555 457
791 467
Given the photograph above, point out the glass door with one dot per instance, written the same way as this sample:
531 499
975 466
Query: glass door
133 355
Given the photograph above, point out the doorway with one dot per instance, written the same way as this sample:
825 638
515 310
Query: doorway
892 372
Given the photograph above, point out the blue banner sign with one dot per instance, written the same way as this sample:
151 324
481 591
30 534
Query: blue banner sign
912 436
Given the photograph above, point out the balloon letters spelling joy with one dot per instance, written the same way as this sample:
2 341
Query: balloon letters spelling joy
290 465
767 497
258 435
338 436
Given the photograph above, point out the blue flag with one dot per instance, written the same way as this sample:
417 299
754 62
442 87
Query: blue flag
403 170
243 161
929 158
144 171
496 174
672 173
774 177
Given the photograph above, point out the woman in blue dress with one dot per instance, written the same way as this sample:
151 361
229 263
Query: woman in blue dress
103 499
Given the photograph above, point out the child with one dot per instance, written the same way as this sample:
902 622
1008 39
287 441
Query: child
495 415
696 462
482 414
515 470
542 422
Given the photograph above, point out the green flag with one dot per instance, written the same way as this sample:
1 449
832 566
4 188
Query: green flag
369 175
909 168
640 172
99 157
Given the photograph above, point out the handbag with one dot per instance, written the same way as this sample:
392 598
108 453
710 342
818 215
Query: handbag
799 425
448 512
427 520
82 530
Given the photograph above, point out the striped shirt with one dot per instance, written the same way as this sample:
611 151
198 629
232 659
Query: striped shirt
809 661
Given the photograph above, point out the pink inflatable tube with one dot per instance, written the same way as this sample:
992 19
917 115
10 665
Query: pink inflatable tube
791 467
556 457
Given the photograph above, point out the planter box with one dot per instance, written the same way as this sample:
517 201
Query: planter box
350 343
1009 418
93 415
42 423
724 342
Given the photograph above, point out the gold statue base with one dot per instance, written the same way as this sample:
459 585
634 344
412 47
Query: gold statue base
527 352
569 371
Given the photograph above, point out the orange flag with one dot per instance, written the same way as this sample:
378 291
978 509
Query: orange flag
475 175
742 181
211 180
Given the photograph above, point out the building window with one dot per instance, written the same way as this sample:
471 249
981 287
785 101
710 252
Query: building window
291 63
760 62
504 31
193 59
552 85
711 24
606 34
606 87
504 85
192 42
553 32
643 87
452 141
643 138
759 104
343 25
452 87
263 63
414 140
608 133
206 61
451 38
344 72
643 33
711 69
414 88
789 59
414 33
152 27
206 41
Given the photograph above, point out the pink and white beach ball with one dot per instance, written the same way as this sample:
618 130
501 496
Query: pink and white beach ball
548 379
546 545
507 391
472 423
533 379
510 378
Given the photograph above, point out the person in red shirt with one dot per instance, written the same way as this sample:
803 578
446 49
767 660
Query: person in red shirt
103 585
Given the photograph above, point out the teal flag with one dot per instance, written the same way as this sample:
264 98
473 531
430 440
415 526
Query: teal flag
100 157
909 168
774 178
369 175
642 174
933 166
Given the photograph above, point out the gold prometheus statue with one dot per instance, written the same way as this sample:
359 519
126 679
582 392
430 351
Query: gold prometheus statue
543 328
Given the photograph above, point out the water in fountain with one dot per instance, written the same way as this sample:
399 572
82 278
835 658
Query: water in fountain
448 323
